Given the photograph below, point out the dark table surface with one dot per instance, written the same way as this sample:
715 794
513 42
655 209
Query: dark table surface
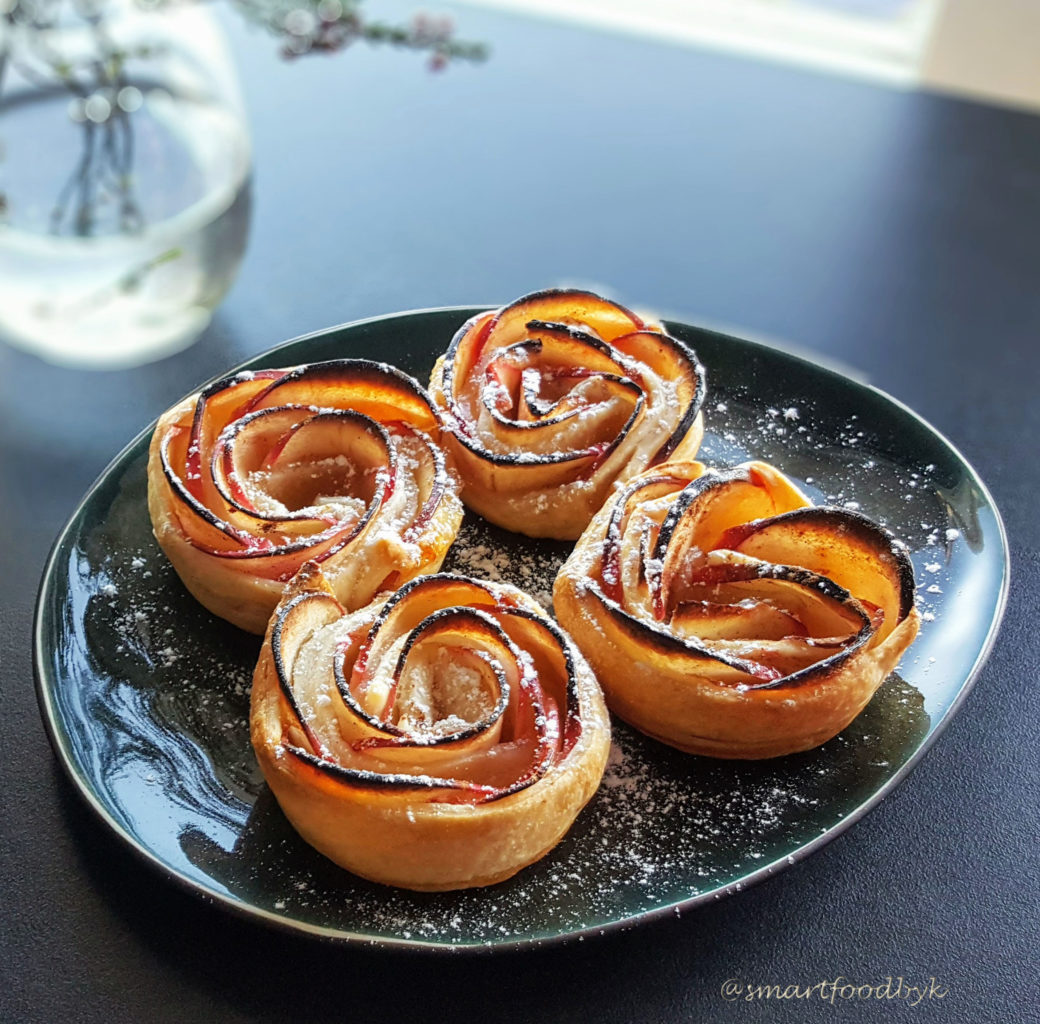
895 233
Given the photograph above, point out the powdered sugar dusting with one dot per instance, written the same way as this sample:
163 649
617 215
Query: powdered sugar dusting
167 692
488 552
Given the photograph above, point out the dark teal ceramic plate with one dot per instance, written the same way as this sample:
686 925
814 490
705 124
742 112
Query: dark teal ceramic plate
146 696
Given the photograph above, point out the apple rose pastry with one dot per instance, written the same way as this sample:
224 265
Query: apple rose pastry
331 462
551 400
442 738
725 615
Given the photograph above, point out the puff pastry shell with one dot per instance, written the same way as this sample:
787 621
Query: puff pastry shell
442 738
334 462
551 400
725 615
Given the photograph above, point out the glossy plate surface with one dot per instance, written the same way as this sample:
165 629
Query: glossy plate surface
146 696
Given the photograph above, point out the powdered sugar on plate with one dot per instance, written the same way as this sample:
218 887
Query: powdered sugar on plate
488 552
162 695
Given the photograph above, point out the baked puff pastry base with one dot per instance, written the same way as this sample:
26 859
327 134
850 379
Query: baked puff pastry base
334 462
441 738
551 400
725 615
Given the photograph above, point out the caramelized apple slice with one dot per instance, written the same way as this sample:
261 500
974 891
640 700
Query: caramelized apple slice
845 546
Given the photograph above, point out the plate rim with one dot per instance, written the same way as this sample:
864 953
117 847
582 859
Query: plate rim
44 686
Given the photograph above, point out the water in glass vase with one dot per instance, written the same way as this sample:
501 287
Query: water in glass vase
123 218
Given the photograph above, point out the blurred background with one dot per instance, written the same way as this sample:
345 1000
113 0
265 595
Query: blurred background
127 155
185 184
